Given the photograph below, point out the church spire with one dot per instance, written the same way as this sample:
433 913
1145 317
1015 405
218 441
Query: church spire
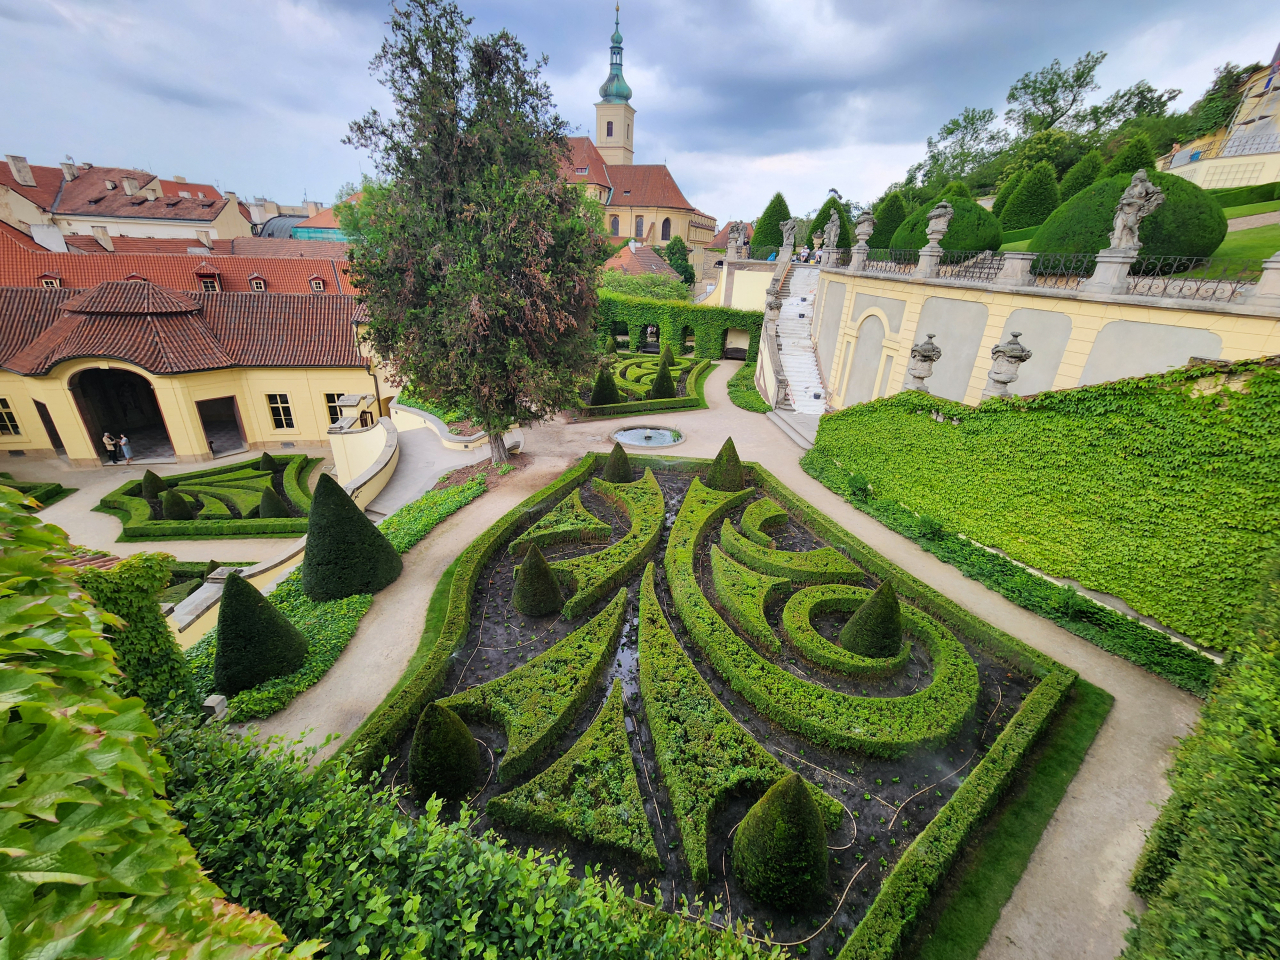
615 89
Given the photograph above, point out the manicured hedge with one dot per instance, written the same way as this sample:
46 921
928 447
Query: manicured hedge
46 493
972 227
882 727
812 602
591 793
743 392
780 849
538 700
694 398
824 565
569 522
889 217
590 578
1239 196
1033 201
743 593
704 754
767 232
762 515
256 641
709 324
1083 174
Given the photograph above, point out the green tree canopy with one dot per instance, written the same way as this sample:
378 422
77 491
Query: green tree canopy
474 260
767 232
1051 94
676 254
889 218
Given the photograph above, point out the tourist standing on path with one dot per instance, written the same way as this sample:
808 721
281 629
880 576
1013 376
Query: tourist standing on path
126 448
109 442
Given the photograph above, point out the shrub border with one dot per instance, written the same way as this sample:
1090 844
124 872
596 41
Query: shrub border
671 316
694 398
815 648
800 567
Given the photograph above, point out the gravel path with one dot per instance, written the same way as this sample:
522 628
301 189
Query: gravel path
1256 220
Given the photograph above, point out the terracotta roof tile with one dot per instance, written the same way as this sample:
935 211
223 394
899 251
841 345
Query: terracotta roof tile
239 246
326 219
89 195
645 185
48 180
130 296
640 262
172 188
584 155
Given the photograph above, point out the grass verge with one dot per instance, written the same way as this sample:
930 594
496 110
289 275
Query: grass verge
1256 243
743 392
966 910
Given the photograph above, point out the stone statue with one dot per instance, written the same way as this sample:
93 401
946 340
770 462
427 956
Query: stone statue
923 357
831 232
864 226
1006 358
1139 201
789 231
939 219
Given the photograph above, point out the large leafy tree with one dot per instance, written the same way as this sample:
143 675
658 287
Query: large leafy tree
1042 99
475 261
963 143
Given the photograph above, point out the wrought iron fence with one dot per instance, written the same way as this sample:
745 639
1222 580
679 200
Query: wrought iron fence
1065 271
1218 279
892 261
980 265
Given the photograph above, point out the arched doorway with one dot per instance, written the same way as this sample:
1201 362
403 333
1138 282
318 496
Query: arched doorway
120 401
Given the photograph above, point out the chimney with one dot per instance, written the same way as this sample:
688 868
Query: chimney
203 237
130 186
178 179
104 239
69 172
632 245
230 196
21 170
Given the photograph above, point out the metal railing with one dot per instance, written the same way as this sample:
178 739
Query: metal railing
892 261
1236 146
1217 279
980 265
1063 271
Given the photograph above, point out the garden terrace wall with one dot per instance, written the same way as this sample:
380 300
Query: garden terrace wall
709 324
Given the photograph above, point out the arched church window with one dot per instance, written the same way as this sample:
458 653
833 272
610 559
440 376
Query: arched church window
613 225
666 229
608 129
639 228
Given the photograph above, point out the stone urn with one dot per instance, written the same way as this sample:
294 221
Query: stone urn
923 357
1006 358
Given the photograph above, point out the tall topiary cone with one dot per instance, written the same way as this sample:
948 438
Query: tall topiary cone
768 233
666 356
875 629
255 640
1033 201
617 469
1137 154
605 389
269 463
271 506
1083 174
175 506
780 849
888 219
1006 191
726 470
346 554
443 758
153 487
664 388
537 592
210 568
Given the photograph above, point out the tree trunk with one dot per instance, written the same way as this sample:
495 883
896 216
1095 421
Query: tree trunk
498 444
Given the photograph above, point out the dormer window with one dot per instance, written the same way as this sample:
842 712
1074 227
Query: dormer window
185 193
257 285
317 284
581 171
208 284
110 184
626 193
51 282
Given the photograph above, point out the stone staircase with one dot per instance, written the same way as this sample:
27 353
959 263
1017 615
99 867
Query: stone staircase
798 291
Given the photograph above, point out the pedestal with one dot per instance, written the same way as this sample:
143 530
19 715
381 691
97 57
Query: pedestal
1267 292
930 257
1015 269
1111 275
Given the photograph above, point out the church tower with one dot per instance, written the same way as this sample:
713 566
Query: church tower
615 117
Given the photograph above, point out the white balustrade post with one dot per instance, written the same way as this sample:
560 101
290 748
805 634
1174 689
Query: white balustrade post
1015 268
1111 275
1267 292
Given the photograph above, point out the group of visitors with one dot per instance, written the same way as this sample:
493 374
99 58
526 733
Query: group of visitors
117 447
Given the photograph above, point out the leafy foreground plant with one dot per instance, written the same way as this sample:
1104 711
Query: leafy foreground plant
93 863
331 857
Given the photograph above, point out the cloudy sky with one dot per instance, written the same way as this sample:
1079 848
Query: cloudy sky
739 98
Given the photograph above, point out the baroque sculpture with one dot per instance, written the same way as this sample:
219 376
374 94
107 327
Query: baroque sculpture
939 219
923 357
1138 202
864 226
789 232
831 234
1006 358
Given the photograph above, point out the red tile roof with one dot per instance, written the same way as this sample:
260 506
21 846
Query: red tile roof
89 195
721 240
48 180
326 219
165 332
645 185
239 246
172 188
640 262
21 266
584 155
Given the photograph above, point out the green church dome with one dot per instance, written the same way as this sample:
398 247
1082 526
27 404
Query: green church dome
615 88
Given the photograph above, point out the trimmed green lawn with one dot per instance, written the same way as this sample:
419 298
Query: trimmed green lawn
991 868
1249 209
1016 245
1258 243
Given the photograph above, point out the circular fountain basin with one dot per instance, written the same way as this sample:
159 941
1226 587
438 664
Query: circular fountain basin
648 436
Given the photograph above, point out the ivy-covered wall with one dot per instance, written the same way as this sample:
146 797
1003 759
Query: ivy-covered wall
671 317
1161 490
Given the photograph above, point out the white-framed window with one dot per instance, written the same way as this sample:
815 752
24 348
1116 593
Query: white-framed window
208 285
331 404
281 411
317 285
8 421
257 285
51 282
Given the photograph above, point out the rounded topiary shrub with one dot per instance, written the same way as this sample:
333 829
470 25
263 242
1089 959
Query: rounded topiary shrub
271 506
605 390
726 470
1086 170
269 463
875 629
617 469
1033 201
256 642
956 188
780 849
1006 191
346 554
153 487
1187 224
972 228
664 388
537 592
889 218
1137 154
175 506
443 758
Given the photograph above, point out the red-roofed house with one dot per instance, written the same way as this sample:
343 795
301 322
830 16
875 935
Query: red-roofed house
323 225
637 260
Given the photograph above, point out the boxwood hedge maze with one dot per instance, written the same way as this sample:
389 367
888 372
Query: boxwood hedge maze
696 663
634 376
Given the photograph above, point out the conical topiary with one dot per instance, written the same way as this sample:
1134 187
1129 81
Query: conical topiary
537 592
443 758
611 343
210 568
1083 174
726 470
1137 154
617 468
666 356
1033 201
346 554
271 506
768 232
175 506
889 218
875 629
956 188
1006 191
605 389
780 849
255 640
269 463
153 487
664 388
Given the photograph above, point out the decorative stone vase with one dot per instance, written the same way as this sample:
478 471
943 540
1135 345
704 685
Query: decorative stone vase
923 357
1006 359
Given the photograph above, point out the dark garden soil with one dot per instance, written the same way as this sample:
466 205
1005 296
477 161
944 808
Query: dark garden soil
889 802
494 475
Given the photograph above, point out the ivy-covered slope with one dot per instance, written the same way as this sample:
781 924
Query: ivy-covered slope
1161 490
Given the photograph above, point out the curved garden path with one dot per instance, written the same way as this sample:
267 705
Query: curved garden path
1070 903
